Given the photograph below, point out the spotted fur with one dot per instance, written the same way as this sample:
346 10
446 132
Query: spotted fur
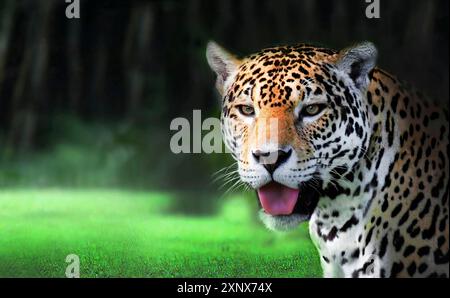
376 156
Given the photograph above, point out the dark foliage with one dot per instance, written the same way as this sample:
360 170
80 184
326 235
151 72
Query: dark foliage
137 65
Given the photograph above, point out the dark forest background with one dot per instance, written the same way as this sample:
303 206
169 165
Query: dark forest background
88 102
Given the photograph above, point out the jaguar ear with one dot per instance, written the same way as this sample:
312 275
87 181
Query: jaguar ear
222 62
358 61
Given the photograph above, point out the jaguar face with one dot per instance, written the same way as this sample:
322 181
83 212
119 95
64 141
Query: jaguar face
296 121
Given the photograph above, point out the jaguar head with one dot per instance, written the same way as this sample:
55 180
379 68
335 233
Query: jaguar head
296 120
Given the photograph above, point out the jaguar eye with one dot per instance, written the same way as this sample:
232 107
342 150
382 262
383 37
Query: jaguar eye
246 110
314 109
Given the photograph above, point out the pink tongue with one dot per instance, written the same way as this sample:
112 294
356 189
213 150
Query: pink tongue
277 199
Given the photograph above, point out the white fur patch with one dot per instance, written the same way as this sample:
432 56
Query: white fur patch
281 223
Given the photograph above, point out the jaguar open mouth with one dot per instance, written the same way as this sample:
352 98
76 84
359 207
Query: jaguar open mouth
280 201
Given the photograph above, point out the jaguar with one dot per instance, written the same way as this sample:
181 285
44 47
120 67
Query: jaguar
327 137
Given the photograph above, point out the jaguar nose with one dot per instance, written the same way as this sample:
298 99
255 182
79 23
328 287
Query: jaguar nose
271 160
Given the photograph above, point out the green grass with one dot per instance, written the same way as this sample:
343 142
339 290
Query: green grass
133 234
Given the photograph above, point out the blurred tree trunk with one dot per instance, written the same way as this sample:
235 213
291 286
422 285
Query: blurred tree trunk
136 53
31 79
75 67
6 19
7 16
